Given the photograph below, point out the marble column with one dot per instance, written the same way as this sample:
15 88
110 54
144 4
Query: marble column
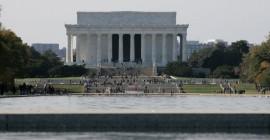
184 46
164 50
69 50
143 48
120 48
109 48
78 49
153 48
98 49
174 53
88 59
132 48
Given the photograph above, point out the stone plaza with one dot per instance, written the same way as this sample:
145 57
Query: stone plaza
114 39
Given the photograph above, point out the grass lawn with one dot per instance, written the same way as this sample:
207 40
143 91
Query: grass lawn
201 88
70 88
249 87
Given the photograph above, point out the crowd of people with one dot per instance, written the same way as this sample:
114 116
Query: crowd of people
121 84
117 85
3 88
262 89
25 89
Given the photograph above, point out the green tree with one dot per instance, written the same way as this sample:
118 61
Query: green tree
241 46
197 58
256 64
178 69
236 52
215 59
19 60
14 55
224 71
219 55
65 71
41 64
265 78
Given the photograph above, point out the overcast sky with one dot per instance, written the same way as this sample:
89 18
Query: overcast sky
43 21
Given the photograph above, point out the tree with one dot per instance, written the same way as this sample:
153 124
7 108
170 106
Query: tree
19 60
215 59
241 46
219 55
64 71
256 64
197 58
14 55
178 69
236 52
265 78
40 65
224 71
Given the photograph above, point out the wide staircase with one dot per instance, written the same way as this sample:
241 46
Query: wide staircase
131 84
226 88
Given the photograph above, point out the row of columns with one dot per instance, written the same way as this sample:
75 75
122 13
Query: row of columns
69 56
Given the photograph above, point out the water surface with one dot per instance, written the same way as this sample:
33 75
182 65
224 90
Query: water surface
136 104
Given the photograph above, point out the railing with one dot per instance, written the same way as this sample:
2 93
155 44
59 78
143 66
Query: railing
204 81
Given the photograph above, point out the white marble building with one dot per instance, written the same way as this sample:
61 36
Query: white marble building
106 39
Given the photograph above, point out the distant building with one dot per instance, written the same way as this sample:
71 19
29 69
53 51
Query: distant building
213 42
43 47
195 46
251 45
62 54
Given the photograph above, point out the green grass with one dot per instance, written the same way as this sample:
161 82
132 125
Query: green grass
70 88
248 87
201 88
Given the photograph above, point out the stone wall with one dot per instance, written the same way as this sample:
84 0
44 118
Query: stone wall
242 123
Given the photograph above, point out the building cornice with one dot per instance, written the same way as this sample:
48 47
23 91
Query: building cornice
126 26
85 29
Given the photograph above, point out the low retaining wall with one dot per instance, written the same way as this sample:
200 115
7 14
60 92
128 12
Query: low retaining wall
246 123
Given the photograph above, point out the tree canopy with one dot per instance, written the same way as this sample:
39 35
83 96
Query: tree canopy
19 60
224 71
14 55
219 56
178 69
256 64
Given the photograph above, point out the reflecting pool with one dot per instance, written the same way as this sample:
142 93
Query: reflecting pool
136 104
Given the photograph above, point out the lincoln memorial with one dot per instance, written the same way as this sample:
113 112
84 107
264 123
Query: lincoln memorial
112 39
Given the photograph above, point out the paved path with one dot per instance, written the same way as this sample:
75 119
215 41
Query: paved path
141 94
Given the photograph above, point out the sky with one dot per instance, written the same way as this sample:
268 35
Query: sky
42 21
